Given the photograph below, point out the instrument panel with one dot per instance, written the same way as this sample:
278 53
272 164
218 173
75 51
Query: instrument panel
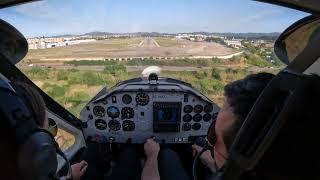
172 112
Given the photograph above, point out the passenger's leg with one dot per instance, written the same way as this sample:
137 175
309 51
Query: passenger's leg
170 166
128 165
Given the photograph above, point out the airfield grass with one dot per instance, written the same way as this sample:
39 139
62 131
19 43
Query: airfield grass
84 48
166 42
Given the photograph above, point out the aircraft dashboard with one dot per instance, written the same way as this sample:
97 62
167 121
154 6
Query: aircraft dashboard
167 109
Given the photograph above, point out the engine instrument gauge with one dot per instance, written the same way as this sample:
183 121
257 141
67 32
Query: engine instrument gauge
187 109
198 108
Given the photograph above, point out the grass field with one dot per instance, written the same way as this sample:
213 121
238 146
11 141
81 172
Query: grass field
167 42
97 49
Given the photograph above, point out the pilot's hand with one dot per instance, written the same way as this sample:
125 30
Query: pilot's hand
205 157
151 148
78 170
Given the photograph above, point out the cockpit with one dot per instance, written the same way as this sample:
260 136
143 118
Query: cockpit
167 109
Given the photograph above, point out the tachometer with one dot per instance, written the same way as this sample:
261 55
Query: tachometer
142 99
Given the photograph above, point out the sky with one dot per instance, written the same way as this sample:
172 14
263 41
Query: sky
58 17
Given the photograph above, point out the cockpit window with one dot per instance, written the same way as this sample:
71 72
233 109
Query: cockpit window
78 47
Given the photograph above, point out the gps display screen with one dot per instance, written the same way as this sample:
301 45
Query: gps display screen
167 115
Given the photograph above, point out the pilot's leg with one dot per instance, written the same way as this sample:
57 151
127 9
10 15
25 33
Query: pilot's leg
170 166
92 155
128 166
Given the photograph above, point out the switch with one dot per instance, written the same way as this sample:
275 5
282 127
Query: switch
185 98
114 99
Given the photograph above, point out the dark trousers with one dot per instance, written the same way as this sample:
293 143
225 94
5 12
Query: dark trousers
128 165
170 166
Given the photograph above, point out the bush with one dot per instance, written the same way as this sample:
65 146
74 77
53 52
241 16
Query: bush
113 69
55 91
62 75
217 85
92 79
78 98
215 74
37 73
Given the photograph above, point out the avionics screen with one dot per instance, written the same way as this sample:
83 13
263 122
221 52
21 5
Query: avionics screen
166 116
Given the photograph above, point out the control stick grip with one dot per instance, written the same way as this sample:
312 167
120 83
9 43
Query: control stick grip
201 141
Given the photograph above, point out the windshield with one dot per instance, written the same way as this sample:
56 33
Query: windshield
78 47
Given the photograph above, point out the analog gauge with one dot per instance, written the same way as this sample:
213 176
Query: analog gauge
126 99
128 125
113 112
198 108
186 126
196 126
197 118
100 124
142 99
208 108
114 125
99 111
127 113
187 109
187 118
207 117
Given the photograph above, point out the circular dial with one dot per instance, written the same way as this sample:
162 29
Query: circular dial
197 118
113 112
187 118
208 108
127 113
207 117
100 124
187 109
198 108
114 125
186 126
99 111
126 99
128 125
196 126
142 99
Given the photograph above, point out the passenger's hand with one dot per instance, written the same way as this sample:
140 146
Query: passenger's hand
78 170
151 148
205 157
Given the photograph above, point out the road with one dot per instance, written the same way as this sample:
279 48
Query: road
149 43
